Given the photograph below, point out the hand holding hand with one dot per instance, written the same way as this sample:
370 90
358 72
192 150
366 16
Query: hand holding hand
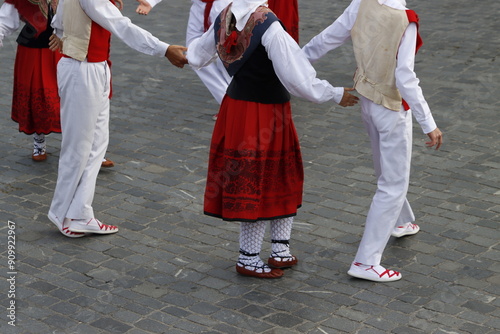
436 138
348 99
143 8
55 43
175 53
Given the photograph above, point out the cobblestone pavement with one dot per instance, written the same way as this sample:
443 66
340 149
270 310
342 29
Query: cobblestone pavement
170 269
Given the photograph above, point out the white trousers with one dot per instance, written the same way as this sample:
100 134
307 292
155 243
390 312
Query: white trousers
213 76
390 134
84 90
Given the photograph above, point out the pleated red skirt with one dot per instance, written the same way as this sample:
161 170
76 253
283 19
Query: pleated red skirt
288 13
255 169
35 100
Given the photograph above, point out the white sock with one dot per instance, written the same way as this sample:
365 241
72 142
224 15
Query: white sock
39 142
281 230
251 237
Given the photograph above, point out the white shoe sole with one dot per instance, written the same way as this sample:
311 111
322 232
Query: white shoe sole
403 234
90 229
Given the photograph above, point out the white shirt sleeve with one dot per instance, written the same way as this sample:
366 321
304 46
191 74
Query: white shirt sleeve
202 51
291 66
9 21
195 26
334 35
57 19
104 13
408 83
294 70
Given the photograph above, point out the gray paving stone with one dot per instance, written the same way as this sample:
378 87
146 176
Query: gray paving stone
479 307
110 325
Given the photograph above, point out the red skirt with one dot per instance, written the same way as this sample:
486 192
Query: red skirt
35 100
288 13
255 169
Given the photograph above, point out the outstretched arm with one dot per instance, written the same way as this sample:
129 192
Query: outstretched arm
296 72
334 35
110 18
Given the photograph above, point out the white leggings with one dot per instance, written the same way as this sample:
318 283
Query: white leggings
252 234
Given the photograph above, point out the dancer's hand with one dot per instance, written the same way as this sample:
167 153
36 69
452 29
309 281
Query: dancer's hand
436 138
176 55
143 8
55 43
348 99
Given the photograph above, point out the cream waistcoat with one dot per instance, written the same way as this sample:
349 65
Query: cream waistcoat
76 34
376 36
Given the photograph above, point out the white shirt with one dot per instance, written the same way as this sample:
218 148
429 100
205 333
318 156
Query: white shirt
104 13
9 20
406 79
197 17
290 64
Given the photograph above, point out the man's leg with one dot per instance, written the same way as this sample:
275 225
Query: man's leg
391 139
84 89
81 207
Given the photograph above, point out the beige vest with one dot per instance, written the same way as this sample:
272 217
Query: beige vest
76 34
376 36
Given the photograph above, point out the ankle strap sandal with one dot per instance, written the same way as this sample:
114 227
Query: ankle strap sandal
256 268
280 260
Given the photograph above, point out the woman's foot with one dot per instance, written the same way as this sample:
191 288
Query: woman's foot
106 163
39 155
256 268
280 256
39 147
282 259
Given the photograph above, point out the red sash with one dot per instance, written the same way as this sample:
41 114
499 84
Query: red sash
413 18
208 8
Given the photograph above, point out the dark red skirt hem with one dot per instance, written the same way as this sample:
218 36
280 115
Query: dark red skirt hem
250 220
45 132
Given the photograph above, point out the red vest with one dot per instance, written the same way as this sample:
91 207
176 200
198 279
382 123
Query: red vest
99 45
